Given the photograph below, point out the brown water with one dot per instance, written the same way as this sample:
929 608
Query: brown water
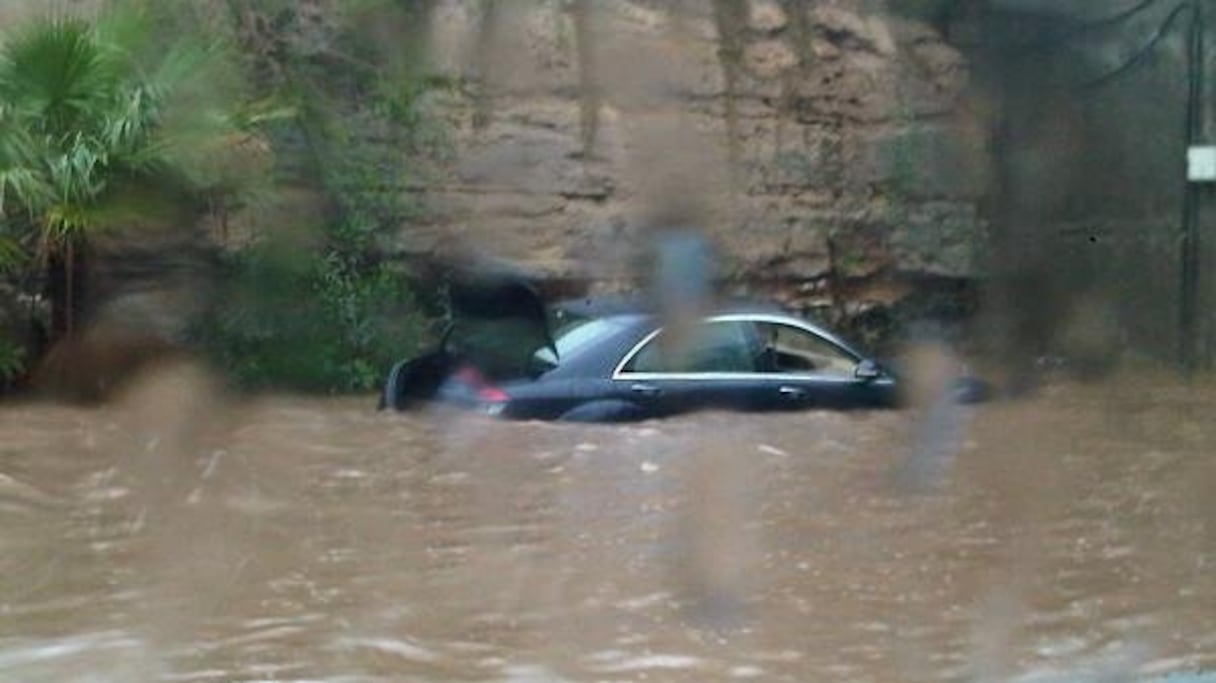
179 536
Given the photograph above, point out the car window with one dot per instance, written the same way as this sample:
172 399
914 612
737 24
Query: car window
572 335
724 346
792 350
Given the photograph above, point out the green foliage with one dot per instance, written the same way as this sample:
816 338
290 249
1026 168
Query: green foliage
131 117
81 113
105 124
12 256
331 312
87 106
330 316
309 321
12 360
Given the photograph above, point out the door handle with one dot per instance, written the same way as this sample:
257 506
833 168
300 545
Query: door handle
793 393
645 389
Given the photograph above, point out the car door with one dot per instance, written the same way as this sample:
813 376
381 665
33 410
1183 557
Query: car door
800 368
709 365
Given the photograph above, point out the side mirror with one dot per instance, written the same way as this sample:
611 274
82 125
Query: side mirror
867 370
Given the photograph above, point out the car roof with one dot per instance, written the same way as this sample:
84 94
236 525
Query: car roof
614 305
641 311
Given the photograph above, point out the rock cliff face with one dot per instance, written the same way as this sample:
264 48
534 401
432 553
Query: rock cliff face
828 151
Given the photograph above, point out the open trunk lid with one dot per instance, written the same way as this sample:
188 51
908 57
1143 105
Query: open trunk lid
499 322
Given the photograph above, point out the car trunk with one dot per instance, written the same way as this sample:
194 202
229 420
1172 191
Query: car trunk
498 324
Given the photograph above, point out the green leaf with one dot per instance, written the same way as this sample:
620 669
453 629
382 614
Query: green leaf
12 360
22 186
259 113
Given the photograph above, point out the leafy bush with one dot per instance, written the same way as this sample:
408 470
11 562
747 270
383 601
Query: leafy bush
328 309
312 321
330 312
333 313
12 360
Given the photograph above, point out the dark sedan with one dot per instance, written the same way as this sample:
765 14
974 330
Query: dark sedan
612 360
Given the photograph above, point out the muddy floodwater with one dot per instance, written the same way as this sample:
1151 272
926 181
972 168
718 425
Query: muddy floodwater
179 535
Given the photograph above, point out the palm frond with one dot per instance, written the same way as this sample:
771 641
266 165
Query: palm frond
63 222
129 123
25 188
76 175
87 108
20 182
55 71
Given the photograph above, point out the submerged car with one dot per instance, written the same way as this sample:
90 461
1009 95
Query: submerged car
508 355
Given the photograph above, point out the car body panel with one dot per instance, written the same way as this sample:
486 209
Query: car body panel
579 365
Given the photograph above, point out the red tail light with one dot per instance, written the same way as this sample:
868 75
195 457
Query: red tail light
492 394
485 391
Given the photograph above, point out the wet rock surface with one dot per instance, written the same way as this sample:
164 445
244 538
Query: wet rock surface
774 131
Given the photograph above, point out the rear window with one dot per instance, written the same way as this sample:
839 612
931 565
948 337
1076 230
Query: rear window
573 334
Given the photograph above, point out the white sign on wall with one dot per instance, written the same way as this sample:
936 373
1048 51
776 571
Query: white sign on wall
1201 164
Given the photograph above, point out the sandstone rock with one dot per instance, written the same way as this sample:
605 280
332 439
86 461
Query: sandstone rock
943 63
881 37
768 59
766 16
929 160
813 161
860 248
824 49
850 30
850 135
939 238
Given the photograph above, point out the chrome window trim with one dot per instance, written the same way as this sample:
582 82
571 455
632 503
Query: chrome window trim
653 376
619 372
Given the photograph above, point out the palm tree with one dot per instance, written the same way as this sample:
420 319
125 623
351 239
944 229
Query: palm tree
83 119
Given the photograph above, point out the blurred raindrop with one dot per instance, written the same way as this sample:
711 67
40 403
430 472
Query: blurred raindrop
683 273
931 375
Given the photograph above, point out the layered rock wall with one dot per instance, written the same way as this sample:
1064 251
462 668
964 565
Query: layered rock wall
827 150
